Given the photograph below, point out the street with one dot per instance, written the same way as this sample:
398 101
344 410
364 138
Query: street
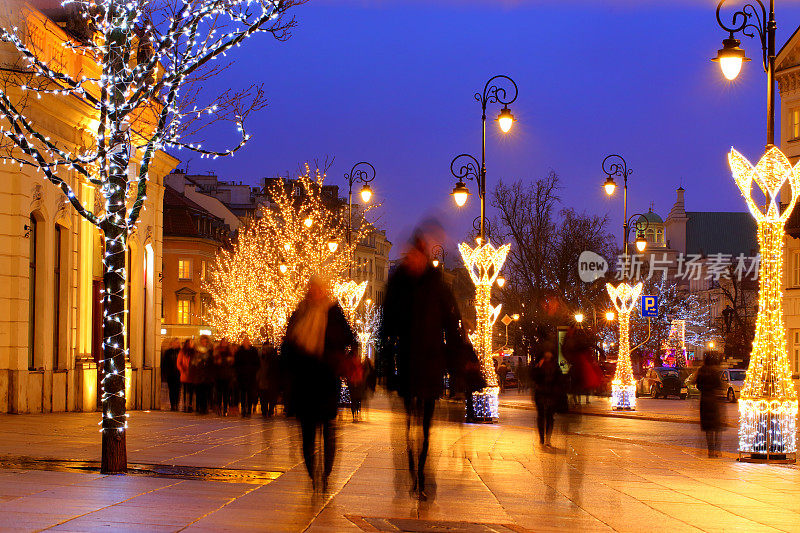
603 474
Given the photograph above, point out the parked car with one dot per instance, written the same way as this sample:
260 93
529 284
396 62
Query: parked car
662 381
732 382
511 380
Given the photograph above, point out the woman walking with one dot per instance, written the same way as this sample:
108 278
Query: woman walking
170 373
548 389
710 386
318 339
223 366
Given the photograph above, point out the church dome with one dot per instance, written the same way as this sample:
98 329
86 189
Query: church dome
651 218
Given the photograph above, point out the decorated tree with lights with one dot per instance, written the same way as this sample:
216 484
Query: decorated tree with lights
137 61
257 283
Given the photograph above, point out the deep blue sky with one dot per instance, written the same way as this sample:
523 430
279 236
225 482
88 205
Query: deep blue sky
392 82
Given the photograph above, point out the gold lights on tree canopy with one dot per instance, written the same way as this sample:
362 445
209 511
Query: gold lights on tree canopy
768 403
623 386
257 283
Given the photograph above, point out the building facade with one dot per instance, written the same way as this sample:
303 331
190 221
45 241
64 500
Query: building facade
51 261
192 237
787 74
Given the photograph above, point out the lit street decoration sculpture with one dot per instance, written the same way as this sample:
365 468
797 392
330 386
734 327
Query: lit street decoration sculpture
768 403
349 293
623 386
483 264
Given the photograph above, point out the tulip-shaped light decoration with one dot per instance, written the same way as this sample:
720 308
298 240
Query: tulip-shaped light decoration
768 402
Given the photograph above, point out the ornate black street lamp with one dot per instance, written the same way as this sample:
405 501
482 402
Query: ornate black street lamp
751 20
465 166
615 165
364 173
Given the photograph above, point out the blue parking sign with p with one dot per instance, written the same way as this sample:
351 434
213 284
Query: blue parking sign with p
650 306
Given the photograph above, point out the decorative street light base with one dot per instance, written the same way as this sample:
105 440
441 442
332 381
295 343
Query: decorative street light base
484 405
767 431
623 398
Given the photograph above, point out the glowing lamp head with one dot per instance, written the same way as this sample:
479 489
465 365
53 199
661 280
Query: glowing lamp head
308 222
730 58
333 246
283 269
368 301
711 345
505 119
610 186
460 193
579 317
641 242
366 193
501 281
609 315
435 263
515 316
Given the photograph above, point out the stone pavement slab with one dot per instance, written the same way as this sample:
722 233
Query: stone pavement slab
601 475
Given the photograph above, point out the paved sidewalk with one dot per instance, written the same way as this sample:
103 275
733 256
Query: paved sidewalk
484 474
664 410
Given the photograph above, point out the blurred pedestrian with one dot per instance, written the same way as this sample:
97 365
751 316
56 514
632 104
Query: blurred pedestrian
317 345
421 338
709 383
246 364
223 366
267 380
548 392
502 373
170 373
205 373
354 378
185 358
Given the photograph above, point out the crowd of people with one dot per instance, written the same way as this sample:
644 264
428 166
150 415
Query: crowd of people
221 376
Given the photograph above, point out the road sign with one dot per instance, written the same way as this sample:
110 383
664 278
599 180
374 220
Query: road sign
507 320
650 306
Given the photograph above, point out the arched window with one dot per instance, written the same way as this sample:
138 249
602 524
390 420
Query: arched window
31 291
650 235
660 236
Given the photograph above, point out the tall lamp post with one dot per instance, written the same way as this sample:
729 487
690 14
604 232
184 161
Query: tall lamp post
361 172
485 261
768 404
615 165
466 166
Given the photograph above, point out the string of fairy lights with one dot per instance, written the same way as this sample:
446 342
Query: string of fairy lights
768 404
623 386
257 283
128 69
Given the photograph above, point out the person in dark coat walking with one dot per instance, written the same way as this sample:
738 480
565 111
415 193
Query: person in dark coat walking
170 373
709 384
317 343
185 359
548 391
223 367
267 380
246 364
421 337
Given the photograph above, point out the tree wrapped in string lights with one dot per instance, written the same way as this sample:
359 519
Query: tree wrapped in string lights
483 264
768 403
623 386
132 65
257 284
367 323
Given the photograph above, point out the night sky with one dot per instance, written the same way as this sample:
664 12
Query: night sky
392 82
